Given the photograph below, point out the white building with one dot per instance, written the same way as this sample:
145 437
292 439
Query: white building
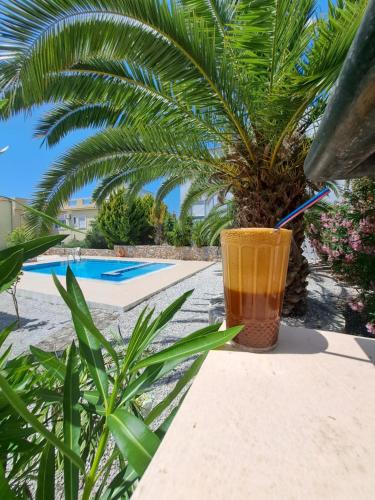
200 208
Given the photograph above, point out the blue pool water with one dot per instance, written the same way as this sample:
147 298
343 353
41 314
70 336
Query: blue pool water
108 270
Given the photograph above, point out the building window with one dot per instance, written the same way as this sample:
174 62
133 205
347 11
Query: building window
82 224
62 220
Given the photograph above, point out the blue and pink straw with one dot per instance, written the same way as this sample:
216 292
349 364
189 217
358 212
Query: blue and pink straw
309 203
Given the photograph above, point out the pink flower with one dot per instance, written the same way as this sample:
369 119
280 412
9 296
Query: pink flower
355 241
353 305
349 257
313 228
335 253
335 239
347 223
354 236
360 306
356 305
367 226
356 245
370 327
325 249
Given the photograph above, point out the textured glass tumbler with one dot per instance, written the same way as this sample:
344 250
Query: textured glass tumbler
255 264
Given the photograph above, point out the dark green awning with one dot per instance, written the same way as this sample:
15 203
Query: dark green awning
344 147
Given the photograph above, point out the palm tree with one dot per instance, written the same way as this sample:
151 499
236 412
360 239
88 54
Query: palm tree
218 92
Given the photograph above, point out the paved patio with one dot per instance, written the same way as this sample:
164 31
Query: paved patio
294 423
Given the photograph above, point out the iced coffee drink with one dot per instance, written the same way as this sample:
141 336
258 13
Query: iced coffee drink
255 264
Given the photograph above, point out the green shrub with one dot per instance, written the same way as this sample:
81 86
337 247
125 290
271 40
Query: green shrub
74 243
178 233
17 236
158 216
199 236
78 417
95 237
124 223
168 227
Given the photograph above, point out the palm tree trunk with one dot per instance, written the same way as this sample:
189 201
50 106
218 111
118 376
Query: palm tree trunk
263 206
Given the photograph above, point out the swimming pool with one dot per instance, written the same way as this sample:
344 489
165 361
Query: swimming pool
107 270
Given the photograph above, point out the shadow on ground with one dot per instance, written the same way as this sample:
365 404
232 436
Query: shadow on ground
29 324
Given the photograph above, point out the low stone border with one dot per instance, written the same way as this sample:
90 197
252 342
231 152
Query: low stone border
146 251
169 252
90 252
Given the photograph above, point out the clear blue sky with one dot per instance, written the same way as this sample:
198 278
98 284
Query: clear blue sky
23 165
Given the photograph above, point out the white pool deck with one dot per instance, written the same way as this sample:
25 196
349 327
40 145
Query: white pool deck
296 423
125 294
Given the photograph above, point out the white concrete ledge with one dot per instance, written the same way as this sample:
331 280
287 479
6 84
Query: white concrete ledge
297 423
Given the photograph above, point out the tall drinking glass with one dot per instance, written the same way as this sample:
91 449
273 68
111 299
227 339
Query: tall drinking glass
255 264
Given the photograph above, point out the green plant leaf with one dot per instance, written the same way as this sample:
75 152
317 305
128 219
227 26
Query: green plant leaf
149 376
140 383
162 429
50 361
200 341
120 485
135 440
48 396
20 407
4 356
144 331
9 269
76 302
5 491
88 343
141 325
45 489
181 384
6 331
72 423
159 322
34 247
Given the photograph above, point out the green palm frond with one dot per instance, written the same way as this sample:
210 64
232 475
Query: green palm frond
169 184
64 118
120 150
220 217
210 91
202 187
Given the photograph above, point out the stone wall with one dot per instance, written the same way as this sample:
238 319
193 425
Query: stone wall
100 252
168 252
147 251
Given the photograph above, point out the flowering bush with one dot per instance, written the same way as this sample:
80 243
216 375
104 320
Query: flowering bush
343 234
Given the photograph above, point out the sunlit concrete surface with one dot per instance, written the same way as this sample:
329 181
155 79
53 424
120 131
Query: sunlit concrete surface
124 294
295 423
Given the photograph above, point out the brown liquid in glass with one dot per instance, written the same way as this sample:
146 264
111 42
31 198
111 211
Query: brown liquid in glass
260 315
253 306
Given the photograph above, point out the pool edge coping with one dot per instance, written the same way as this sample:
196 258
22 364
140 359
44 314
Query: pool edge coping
54 298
